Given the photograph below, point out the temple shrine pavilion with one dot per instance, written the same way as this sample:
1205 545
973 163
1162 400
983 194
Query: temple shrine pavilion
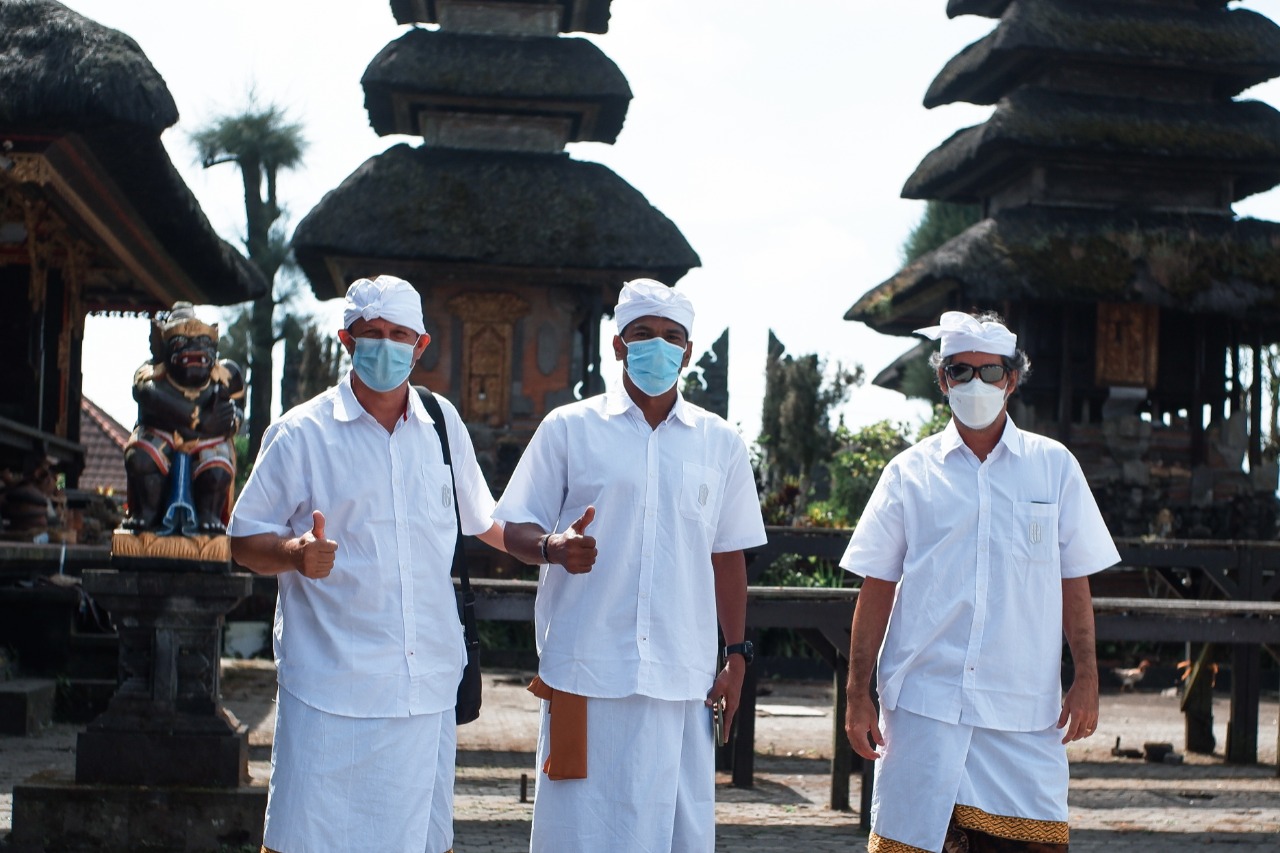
518 249
1106 176
93 218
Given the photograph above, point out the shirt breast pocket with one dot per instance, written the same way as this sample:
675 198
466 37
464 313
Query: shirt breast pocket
1035 535
699 493
438 493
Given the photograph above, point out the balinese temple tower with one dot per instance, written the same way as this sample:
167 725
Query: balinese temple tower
518 249
1106 176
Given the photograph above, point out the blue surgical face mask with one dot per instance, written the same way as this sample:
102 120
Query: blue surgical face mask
654 365
381 363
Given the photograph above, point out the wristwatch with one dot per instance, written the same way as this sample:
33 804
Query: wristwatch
747 650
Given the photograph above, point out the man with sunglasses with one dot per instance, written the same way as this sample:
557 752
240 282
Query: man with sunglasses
975 549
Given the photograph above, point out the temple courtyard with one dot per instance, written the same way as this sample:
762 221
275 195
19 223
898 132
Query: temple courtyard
1116 802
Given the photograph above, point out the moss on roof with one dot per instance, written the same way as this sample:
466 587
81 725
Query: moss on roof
63 74
538 211
1236 49
58 65
1205 265
533 70
1235 137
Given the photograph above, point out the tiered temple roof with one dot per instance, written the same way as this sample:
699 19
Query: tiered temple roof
1114 128
1105 177
496 94
82 109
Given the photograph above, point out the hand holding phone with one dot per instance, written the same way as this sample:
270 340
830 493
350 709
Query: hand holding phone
717 722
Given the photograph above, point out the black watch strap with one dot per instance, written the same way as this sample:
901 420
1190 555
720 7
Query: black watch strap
747 650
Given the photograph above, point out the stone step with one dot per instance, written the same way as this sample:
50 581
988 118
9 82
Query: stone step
26 705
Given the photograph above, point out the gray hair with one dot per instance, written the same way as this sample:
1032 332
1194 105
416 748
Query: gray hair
1019 361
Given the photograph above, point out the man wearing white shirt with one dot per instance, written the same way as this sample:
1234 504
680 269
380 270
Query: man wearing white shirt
350 505
638 505
975 549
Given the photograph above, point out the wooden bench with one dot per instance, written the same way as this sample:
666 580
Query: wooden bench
823 615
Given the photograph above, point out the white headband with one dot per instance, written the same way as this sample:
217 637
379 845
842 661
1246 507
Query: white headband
393 299
645 297
961 332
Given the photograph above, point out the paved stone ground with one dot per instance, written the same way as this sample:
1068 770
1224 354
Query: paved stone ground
1115 803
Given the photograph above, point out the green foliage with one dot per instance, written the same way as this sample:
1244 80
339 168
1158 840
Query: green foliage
795 570
244 462
795 424
780 505
937 422
919 380
312 362
941 221
517 636
856 468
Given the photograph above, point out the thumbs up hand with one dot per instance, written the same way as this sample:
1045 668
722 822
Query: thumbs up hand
315 554
574 549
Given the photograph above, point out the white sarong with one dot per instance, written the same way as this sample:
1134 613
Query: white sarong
650 785
350 783
1009 784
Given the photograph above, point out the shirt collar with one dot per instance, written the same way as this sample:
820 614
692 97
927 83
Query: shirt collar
618 402
1011 438
347 408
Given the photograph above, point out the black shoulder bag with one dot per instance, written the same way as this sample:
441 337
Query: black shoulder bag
468 705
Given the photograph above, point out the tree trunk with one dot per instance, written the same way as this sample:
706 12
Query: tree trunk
260 372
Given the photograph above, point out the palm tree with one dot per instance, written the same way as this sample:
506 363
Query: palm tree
262 141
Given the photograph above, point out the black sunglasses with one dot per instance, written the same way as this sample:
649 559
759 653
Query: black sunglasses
989 373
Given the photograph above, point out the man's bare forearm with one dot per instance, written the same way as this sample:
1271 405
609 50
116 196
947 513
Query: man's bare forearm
870 620
1077 624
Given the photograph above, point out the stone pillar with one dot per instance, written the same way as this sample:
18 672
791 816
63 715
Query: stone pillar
166 724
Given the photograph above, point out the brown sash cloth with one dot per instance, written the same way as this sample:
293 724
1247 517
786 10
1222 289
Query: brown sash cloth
567 754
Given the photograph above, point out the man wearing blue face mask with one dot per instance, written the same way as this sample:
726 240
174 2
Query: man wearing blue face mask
637 506
975 549
350 505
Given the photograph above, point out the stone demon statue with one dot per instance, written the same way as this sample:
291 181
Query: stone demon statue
180 461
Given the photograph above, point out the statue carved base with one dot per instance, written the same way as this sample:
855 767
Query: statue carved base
165 725
148 552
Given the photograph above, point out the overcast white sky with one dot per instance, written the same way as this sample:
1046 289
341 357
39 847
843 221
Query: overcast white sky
776 136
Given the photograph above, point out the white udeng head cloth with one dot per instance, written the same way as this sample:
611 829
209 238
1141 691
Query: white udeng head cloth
961 332
393 299
645 297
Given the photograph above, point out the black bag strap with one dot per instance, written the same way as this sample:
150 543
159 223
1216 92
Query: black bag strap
437 416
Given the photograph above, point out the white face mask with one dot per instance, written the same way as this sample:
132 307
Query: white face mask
976 404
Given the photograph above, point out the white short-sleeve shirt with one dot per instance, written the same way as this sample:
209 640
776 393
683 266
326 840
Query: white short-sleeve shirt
979 552
643 620
380 636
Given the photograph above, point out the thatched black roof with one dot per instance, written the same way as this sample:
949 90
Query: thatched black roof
1234 50
516 74
529 211
996 8
1194 264
56 65
580 16
62 74
1240 138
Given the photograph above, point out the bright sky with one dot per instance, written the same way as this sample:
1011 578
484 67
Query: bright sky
776 136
